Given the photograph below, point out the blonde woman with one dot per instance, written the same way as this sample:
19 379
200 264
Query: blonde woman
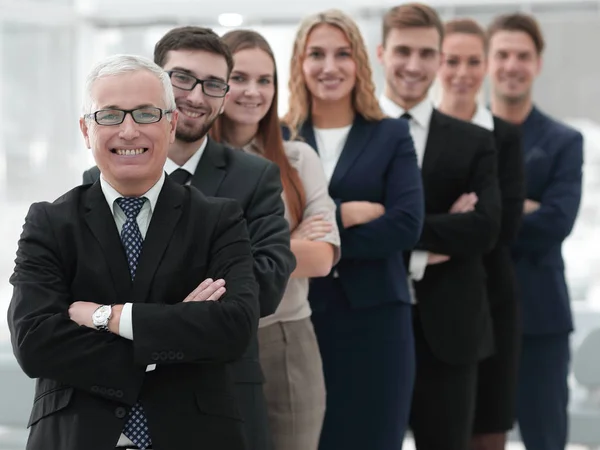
361 310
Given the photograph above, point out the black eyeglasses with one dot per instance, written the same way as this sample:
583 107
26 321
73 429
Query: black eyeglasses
187 82
146 115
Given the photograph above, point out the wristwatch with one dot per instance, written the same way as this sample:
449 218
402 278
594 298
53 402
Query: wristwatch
101 316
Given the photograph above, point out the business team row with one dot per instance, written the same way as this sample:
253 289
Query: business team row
226 279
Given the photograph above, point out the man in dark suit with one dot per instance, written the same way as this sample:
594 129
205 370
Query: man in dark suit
129 348
199 65
462 204
553 170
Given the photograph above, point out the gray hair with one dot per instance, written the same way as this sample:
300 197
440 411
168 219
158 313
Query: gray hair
120 64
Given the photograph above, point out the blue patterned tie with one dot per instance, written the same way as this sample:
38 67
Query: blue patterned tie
136 425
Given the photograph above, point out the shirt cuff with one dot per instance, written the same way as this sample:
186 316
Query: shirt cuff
417 264
126 322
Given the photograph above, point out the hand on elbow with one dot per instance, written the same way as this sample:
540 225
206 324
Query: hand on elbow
434 258
208 290
465 203
530 206
359 213
312 228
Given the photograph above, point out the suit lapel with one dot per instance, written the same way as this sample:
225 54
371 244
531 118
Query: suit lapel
211 169
357 140
308 133
530 129
100 219
162 224
435 142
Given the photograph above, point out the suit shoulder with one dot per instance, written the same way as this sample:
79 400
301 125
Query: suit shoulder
562 129
394 126
213 204
250 163
463 126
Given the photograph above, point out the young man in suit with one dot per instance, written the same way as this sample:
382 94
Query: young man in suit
553 170
109 311
462 218
199 64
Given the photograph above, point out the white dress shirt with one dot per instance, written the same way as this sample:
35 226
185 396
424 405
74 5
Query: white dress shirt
143 221
190 165
483 117
419 131
330 143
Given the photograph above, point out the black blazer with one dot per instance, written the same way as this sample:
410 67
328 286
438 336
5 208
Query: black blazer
87 380
255 183
502 283
378 164
459 157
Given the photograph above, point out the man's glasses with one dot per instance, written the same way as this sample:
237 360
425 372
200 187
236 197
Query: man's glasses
145 115
187 82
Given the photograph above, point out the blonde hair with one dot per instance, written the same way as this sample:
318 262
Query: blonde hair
364 100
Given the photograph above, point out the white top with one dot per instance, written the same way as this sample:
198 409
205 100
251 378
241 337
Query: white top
190 165
483 117
143 220
330 142
294 304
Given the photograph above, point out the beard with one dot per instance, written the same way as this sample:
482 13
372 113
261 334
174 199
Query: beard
189 135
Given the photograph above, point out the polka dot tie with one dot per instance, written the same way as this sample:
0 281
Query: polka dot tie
136 425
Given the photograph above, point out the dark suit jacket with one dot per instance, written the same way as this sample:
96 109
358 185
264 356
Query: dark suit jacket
255 183
378 164
502 282
553 172
87 379
459 157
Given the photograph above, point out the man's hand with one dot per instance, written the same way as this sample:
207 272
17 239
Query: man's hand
530 206
435 258
208 290
465 203
359 213
81 313
312 228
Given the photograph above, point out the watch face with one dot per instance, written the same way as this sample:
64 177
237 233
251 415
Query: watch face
101 315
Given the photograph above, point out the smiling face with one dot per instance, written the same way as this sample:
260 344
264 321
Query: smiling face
328 65
252 84
198 111
464 66
514 63
129 155
411 59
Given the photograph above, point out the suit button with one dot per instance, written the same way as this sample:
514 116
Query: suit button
111 392
336 274
171 355
163 356
120 412
95 389
119 393
103 391
155 356
179 355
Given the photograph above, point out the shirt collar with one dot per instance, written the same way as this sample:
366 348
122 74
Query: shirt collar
483 117
191 164
420 113
111 194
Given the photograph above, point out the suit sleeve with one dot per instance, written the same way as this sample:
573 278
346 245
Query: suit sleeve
206 331
270 240
511 175
399 228
46 342
472 233
559 203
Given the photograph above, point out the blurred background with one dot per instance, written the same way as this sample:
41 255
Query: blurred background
47 47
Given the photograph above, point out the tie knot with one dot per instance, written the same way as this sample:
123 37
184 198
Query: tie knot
406 116
131 206
180 176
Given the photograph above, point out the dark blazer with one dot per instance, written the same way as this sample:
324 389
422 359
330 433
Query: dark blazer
371 269
87 379
459 157
255 183
511 176
553 171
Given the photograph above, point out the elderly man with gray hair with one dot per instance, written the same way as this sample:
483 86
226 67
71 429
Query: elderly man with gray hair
132 294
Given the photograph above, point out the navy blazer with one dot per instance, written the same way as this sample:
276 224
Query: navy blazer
553 155
378 164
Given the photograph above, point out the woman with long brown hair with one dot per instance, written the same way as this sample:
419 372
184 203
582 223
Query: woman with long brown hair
461 76
361 311
289 354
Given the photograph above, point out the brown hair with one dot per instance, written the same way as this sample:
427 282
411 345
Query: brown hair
192 38
519 22
364 100
466 26
269 135
411 15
